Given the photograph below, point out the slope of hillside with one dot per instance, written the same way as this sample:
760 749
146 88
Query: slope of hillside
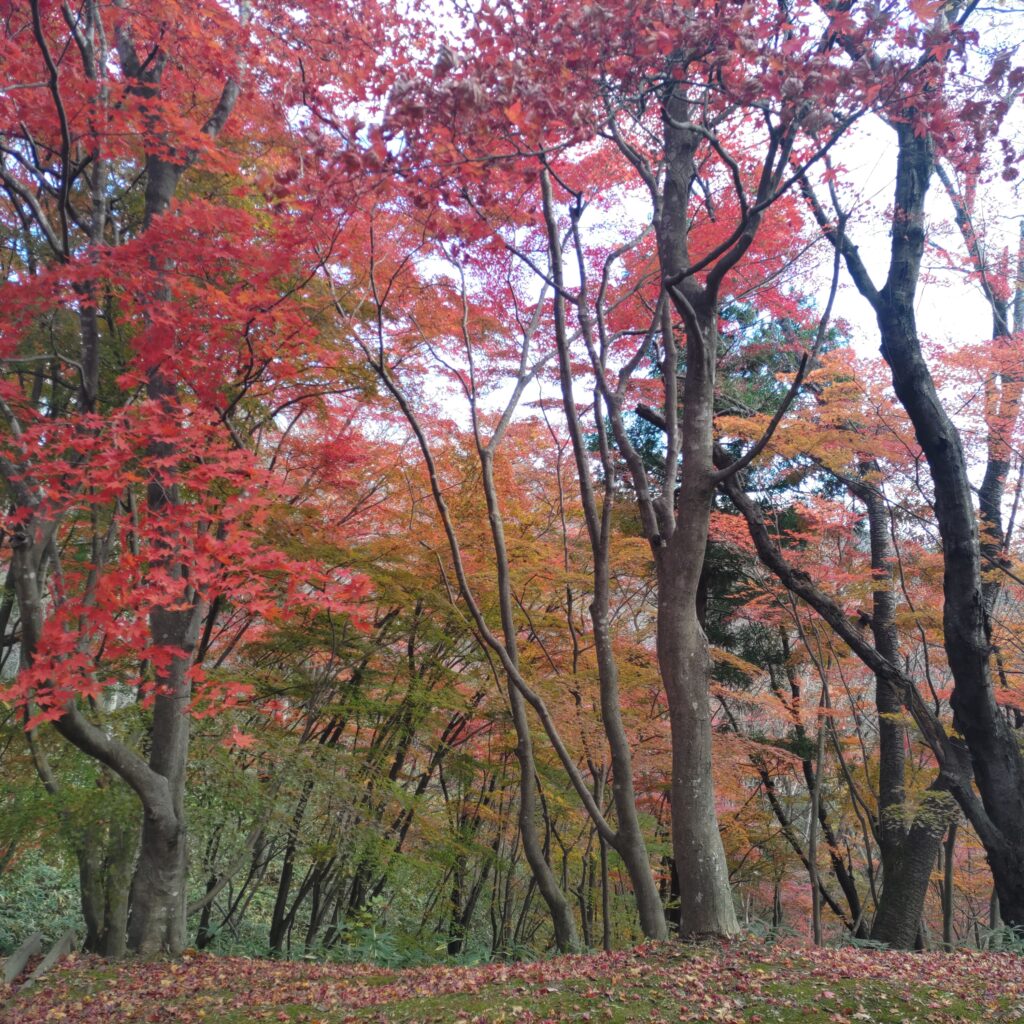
743 982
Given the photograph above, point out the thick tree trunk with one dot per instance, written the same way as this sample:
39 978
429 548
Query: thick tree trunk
159 885
705 898
907 865
995 754
908 849
157 923
159 890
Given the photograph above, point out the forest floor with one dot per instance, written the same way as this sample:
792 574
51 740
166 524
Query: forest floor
746 981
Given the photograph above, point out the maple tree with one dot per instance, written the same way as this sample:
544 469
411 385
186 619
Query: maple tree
119 300
853 453
664 119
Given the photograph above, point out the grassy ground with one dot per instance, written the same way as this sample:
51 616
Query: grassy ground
744 982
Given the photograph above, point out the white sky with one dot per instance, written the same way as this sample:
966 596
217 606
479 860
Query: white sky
951 310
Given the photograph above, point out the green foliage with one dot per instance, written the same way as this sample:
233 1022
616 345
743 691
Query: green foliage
37 895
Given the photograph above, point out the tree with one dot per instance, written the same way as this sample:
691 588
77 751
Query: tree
709 117
118 400
923 131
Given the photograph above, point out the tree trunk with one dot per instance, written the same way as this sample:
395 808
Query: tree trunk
629 840
908 848
705 899
948 863
105 860
812 835
157 923
706 906
562 918
456 928
996 757
279 914
995 922
907 865
606 923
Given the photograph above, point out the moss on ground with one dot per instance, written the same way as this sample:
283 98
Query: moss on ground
741 983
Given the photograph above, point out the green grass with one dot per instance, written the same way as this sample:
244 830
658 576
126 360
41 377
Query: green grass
742 983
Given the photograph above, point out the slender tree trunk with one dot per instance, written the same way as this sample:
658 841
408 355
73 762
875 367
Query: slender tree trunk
284 884
629 840
995 922
948 849
562 917
706 906
812 836
606 924
456 932
908 848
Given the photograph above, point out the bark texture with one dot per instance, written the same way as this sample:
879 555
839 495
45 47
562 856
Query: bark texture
995 758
